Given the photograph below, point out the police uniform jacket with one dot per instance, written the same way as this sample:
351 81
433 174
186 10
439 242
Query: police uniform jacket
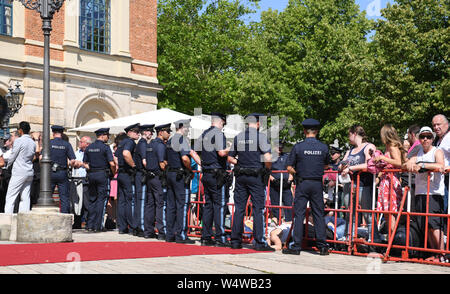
60 151
308 158
125 144
280 164
249 146
212 140
177 147
155 153
139 153
98 155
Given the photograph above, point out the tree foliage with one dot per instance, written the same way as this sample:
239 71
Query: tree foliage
311 60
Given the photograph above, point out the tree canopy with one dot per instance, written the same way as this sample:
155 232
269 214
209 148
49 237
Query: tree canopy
313 59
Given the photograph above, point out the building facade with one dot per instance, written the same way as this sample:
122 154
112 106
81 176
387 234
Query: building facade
103 60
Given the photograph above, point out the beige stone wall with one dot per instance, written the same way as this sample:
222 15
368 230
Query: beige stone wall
86 87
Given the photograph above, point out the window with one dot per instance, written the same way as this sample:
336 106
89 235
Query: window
6 17
95 25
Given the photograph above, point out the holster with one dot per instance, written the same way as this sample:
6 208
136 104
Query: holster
265 175
187 176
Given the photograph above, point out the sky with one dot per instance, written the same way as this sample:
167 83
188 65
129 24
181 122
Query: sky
372 7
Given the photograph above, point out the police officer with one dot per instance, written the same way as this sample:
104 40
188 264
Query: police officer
125 178
251 155
281 182
214 153
179 174
60 152
155 165
140 178
99 163
307 161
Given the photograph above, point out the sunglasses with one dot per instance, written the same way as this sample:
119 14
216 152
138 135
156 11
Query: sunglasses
429 137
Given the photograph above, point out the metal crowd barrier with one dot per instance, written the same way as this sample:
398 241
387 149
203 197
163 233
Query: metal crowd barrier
352 212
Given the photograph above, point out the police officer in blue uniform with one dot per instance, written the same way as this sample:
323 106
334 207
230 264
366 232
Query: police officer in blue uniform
155 165
179 175
281 182
60 153
140 178
251 156
99 163
308 160
125 178
214 153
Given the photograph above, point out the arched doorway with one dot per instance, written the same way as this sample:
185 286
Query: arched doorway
93 110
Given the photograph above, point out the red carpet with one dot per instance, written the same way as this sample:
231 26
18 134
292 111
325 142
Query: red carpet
19 254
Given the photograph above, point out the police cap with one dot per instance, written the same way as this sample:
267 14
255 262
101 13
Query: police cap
134 127
57 129
146 127
165 127
102 131
182 123
311 123
219 115
254 115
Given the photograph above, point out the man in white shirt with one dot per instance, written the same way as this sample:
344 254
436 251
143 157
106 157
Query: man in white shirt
79 172
442 141
21 160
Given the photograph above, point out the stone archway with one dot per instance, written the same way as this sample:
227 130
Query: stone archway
93 110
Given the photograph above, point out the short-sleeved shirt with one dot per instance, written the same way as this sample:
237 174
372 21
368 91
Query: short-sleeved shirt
177 147
155 153
210 142
139 153
309 157
60 151
250 146
445 147
125 144
98 155
280 164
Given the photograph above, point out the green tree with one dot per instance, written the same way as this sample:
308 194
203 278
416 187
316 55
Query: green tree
309 60
410 74
199 47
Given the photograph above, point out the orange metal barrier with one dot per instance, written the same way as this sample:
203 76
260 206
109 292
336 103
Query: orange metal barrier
351 243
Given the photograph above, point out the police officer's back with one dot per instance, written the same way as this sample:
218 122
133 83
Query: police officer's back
251 155
99 162
307 161
60 153
179 174
212 144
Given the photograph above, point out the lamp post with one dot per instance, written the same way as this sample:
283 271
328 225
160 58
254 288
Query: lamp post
46 8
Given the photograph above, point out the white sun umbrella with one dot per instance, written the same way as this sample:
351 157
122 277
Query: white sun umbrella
156 117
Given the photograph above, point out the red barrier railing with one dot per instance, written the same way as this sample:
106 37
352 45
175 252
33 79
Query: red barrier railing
351 243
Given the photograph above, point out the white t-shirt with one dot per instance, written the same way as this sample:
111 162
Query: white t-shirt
436 179
445 147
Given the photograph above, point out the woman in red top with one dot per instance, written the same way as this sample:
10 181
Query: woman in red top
394 157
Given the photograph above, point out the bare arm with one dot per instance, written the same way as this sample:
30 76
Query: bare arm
128 158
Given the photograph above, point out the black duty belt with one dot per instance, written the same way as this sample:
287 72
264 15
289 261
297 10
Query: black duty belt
173 169
91 170
213 170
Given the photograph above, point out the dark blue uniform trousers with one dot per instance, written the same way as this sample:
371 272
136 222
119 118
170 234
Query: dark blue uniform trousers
309 190
60 179
178 199
124 202
154 207
214 209
244 186
98 197
275 201
139 201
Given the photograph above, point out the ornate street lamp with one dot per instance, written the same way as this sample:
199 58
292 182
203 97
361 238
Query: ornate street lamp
46 8
14 100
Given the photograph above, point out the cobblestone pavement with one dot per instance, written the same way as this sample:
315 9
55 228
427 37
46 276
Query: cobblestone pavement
258 263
